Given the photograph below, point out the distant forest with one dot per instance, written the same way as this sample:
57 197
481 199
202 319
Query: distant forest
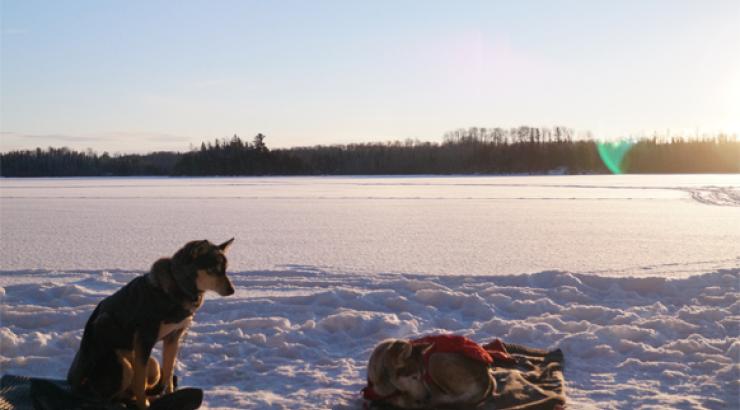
522 150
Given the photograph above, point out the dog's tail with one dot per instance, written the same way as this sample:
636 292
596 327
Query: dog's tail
83 360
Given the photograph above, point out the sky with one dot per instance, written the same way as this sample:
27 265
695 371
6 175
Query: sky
141 76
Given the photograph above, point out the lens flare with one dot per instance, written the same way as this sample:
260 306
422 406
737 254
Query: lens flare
612 154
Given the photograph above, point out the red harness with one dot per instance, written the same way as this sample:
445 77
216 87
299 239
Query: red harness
450 344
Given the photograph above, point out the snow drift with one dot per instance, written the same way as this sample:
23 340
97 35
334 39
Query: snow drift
300 336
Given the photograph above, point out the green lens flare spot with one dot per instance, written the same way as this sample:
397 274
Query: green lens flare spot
612 154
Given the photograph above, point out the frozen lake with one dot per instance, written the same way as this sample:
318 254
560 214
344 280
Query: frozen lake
611 225
635 278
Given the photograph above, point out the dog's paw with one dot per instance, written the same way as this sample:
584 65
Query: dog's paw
142 404
156 390
162 388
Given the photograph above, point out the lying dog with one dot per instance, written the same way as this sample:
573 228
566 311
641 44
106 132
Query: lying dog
433 372
114 360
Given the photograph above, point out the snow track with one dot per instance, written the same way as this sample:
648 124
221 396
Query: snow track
721 196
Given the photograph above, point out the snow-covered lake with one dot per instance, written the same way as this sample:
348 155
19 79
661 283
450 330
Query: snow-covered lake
637 278
636 225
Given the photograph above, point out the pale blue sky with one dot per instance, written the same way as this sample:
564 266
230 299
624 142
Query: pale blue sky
136 76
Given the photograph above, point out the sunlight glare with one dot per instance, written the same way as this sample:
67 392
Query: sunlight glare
612 154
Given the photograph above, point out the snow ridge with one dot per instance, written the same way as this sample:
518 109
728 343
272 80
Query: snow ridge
721 196
299 336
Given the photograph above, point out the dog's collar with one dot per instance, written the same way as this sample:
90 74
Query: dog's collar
192 297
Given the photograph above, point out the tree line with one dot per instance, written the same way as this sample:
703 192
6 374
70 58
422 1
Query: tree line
517 150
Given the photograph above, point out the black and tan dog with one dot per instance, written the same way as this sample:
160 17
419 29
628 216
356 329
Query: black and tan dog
114 360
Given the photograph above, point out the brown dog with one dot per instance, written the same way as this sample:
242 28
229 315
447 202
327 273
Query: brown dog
418 374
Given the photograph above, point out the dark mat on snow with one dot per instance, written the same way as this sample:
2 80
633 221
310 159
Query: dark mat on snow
532 381
28 393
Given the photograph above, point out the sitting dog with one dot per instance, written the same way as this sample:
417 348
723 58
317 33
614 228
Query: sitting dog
114 360
443 371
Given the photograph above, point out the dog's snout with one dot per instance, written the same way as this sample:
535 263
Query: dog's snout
227 289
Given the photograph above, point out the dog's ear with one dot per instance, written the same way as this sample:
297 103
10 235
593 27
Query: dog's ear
406 351
420 349
224 246
400 352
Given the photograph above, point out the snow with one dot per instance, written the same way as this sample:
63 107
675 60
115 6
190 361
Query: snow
636 279
610 225
298 338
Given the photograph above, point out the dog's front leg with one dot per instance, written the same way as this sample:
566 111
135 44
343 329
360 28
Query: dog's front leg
143 344
170 347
